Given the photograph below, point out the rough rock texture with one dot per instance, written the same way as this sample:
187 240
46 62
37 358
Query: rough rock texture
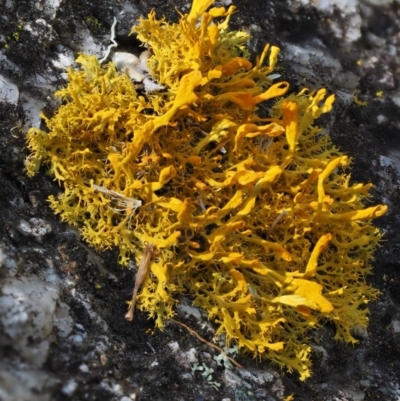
62 329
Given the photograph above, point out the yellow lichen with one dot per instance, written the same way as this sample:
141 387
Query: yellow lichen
255 217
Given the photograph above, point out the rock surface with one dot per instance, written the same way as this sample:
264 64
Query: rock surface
62 329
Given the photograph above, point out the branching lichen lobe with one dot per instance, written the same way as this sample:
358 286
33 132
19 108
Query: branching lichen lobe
255 217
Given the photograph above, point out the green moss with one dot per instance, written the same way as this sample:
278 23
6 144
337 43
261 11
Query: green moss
254 217
93 22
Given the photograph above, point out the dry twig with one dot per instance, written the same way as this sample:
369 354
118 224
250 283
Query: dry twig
191 331
149 252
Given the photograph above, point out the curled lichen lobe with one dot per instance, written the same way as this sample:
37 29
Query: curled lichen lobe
255 216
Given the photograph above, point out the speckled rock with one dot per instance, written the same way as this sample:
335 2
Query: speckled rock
62 329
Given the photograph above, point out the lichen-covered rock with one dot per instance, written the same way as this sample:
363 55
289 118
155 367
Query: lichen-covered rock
254 216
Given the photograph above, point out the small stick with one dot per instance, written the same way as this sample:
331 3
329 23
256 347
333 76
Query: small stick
201 203
275 222
208 343
122 200
123 203
149 251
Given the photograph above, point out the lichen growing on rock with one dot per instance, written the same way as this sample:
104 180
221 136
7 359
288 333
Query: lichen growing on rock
254 217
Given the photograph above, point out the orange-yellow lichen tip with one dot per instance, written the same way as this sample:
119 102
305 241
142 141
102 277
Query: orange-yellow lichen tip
198 8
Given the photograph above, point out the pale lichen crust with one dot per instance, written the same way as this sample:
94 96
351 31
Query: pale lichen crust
255 218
